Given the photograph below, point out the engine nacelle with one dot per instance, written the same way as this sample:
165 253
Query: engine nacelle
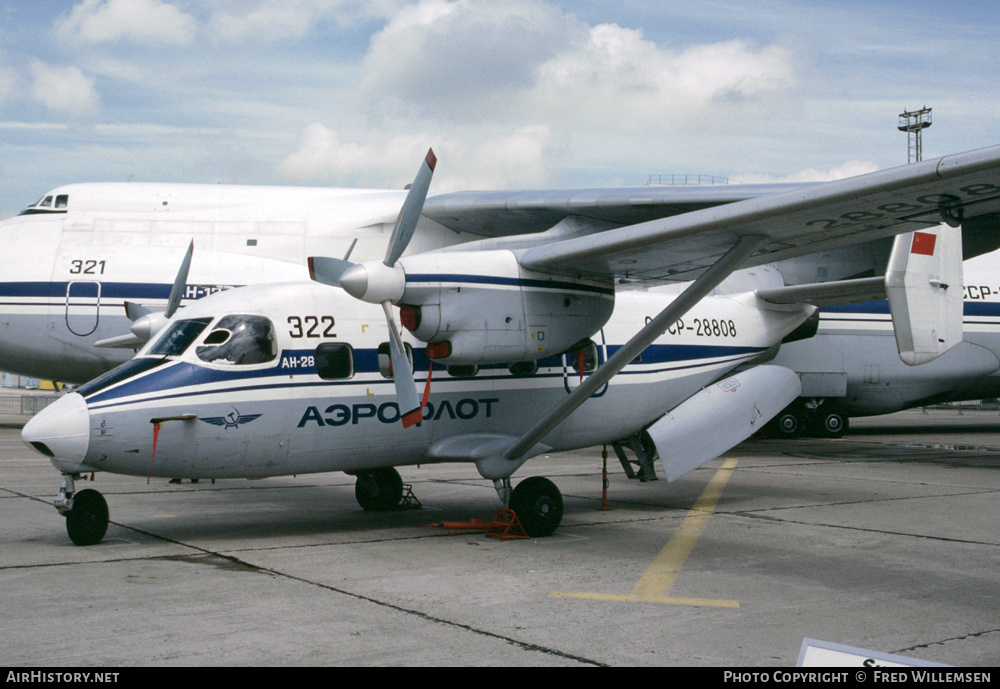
489 310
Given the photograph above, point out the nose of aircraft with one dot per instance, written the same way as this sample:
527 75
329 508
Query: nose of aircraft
61 431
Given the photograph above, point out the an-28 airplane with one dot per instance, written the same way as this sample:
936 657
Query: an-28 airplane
291 378
514 304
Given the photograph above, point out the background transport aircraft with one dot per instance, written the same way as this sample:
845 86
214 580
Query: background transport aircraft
851 367
284 378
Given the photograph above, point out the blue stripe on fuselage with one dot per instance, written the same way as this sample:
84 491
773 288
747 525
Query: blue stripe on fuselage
182 374
970 308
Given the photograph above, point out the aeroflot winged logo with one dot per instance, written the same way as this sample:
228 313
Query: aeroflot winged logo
232 419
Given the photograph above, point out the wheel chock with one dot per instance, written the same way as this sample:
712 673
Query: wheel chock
505 526
409 501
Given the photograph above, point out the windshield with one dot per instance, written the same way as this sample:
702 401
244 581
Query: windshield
239 340
48 204
177 336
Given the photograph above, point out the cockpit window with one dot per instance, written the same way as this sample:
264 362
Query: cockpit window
178 336
239 340
49 203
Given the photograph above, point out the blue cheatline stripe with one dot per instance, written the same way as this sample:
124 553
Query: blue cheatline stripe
112 400
881 307
138 376
109 290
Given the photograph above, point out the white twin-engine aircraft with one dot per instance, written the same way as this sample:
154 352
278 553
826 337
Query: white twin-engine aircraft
522 344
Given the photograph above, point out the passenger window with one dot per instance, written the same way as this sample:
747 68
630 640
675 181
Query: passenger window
385 358
335 361
239 340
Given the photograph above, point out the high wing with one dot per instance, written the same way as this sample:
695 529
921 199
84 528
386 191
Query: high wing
680 248
707 245
505 213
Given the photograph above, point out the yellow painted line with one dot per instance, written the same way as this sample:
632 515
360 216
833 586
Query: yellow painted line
655 584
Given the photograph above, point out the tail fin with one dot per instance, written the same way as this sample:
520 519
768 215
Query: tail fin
924 285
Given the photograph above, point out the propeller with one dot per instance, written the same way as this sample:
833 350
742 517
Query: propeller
383 283
147 322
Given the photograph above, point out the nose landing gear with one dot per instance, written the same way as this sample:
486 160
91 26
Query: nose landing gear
86 512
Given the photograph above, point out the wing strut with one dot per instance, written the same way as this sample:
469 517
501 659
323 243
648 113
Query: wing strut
700 288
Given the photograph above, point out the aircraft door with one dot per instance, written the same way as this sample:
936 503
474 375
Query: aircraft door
83 306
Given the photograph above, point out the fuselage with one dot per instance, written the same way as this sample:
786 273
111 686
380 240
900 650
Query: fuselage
315 394
72 259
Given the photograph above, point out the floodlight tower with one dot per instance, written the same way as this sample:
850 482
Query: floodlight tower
914 122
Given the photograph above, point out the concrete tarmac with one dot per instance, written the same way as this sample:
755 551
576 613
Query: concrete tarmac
885 540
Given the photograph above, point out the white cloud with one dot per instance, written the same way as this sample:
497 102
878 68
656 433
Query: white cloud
270 22
851 168
472 160
526 60
618 76
465 59
138 21
513 92
8 83
266 20
66 90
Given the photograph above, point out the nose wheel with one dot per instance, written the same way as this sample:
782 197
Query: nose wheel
86 512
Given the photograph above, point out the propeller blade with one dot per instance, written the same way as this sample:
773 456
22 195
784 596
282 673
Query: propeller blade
409 214
180 283
328 270
136 311
406 388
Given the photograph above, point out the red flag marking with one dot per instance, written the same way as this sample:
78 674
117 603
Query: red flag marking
923 243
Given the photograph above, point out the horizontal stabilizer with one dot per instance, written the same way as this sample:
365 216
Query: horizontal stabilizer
827 293
924 284
720 416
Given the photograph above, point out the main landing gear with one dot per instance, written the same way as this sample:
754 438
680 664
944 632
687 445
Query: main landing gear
86 512
537 503
379 490
808 420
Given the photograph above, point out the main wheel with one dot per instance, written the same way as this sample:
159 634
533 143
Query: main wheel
87 522
787 424
379 489
538 505
832 424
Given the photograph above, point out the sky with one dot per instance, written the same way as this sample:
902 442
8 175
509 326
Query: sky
511 94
